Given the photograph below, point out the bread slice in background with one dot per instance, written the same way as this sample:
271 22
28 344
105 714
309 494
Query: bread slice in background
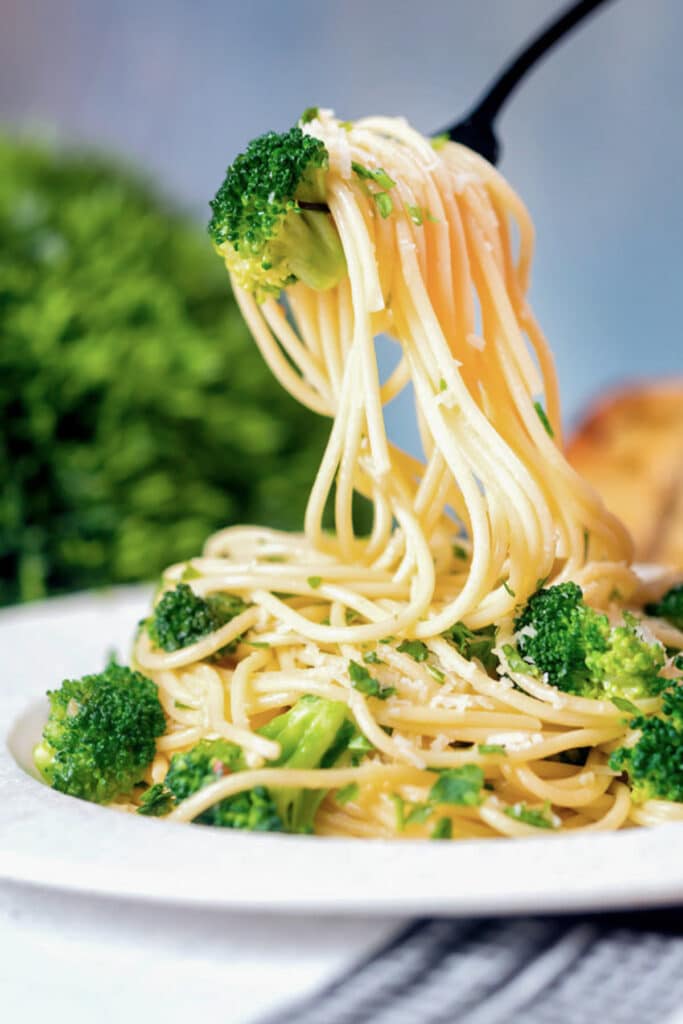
629 446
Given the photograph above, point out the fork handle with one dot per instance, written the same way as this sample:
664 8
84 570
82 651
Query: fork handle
483 114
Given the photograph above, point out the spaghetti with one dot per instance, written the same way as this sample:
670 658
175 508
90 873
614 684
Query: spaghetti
441 264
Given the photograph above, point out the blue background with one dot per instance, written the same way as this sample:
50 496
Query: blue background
592 141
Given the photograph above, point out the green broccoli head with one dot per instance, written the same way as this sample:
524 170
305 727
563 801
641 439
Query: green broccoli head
182 617
580 653
669 607
654 764
263 224
207 762
556 630
475 643
100 735
315 733
631 665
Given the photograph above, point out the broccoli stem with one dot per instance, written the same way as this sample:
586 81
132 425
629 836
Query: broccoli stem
312 244
306 734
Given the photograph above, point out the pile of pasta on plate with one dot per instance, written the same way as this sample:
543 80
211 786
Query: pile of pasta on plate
484 661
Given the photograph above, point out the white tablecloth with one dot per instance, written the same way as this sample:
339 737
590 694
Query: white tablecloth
77 959
83 960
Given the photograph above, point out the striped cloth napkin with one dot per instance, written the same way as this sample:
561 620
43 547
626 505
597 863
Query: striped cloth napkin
613 969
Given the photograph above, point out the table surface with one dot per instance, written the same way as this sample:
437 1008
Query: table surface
66 957
78 959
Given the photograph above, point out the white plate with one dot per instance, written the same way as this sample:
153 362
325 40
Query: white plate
53 840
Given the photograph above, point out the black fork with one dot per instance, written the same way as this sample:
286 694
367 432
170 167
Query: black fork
476 129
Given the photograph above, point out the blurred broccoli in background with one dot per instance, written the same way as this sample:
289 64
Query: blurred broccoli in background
137 414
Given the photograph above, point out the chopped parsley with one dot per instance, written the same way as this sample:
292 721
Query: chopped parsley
415 214
385 203
359 745
407 814
437 142
156 801
314 582
474 643
537 818
516 662
309 114
367 684
418 814
543 417
372 658
508 588
442 384
415 649
461 786
361 678
586 544
399 807
459 552
443 829
379 176
436 673
491 748
625 705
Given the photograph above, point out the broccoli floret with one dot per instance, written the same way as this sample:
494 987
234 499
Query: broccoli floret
580 653
555 632
206 763
263 224
654 765
669 607
630 666
100 734
315 733
182 617
202 764
475 643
